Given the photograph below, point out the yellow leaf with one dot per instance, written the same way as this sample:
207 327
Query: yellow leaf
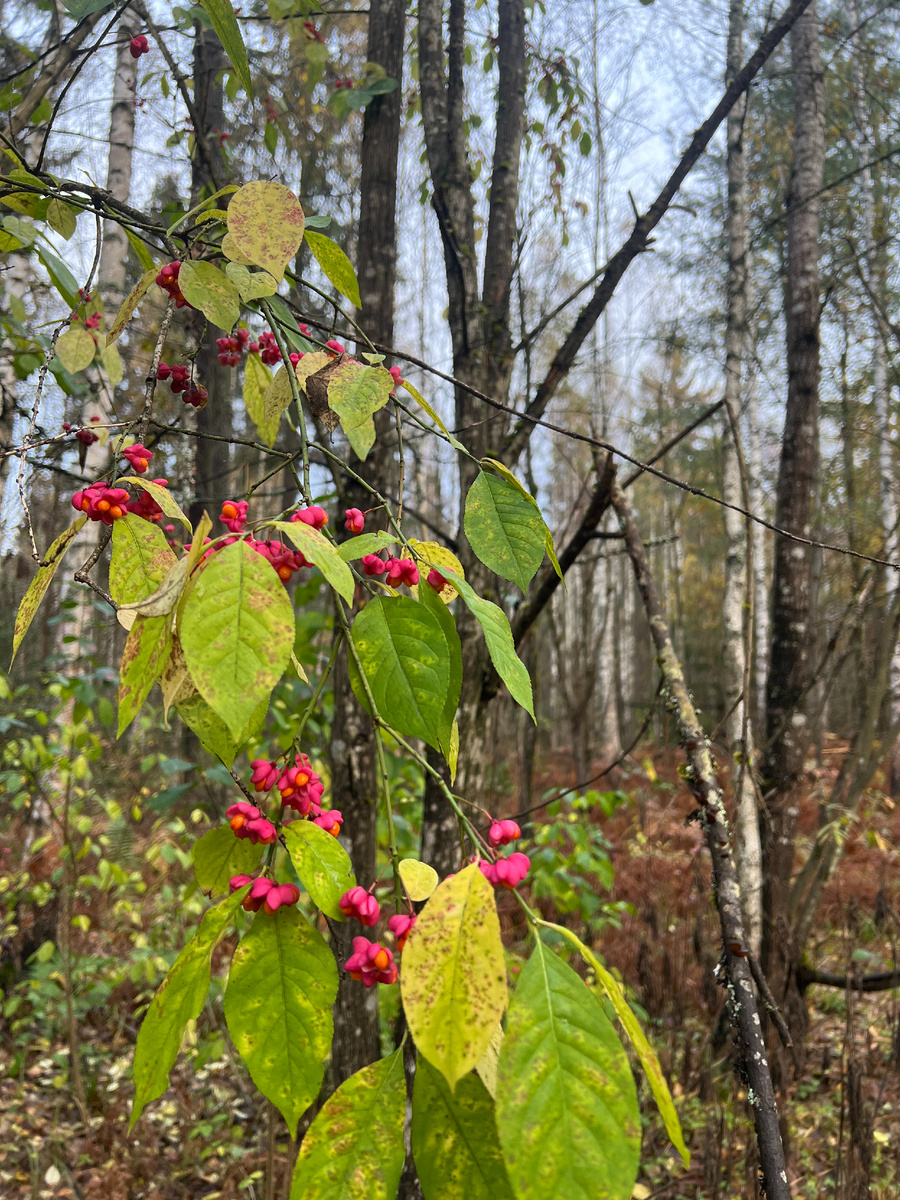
453 981
266 223
419 879
75 349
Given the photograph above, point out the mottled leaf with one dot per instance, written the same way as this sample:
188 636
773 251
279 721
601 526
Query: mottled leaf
141 559
211 291
251 285
146 651
162 601
505 529
354 1148
355 393
454 1139
567 1110
265 222
212 732
453 981
178 1000
37 589
282 984
161 495
237 633
62 218
322 864
218 855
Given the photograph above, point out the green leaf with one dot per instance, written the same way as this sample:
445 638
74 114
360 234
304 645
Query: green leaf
454 1139
365 543
37 589
436 606
212 732
257 378
209 289
317 549
178 1000
335 264
567 1109
146 652
505 529
23 230
141 253
270 137
322 864
130 303
406 661
265 223
79 9
141 559
224 22
418 878
62 278
355 393
112 365
453 981
62 218
75 349
354 1148
499 639
161 495
251 285
282 984
645 1052
218 855
237 633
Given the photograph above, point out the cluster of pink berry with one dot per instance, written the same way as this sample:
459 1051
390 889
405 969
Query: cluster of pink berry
505 872
248 822
139 457
371 962
102 503
267 349
264 893
300 789
167 279
230 348
138 46
181 384
396 570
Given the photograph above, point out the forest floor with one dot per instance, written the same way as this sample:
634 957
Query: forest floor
206 1138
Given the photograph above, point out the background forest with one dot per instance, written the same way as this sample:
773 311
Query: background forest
663 290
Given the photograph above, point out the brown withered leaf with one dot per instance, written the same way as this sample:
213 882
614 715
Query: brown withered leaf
316 388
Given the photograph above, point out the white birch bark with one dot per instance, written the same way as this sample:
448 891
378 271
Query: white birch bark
734 605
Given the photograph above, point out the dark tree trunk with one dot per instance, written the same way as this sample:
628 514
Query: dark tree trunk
354 790
789 670
212 461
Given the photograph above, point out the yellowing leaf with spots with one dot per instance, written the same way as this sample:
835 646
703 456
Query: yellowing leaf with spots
237 633
282 985
437 556
266 222
453 980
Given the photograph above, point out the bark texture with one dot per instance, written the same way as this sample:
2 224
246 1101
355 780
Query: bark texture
702 779
735 606
791 638
352 746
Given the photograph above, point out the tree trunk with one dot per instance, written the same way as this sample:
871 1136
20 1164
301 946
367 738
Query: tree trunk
213 482
735 677
789 670
352 747
880 392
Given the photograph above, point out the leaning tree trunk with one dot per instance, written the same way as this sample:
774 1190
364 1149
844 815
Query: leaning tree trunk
735 610
789 670
352 747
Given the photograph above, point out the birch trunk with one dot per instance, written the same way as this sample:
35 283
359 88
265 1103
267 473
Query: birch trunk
734 604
